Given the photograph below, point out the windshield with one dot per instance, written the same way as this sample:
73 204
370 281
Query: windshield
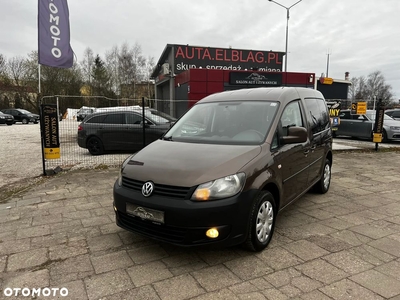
242 123
24 111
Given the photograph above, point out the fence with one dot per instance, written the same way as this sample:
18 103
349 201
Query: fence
117 129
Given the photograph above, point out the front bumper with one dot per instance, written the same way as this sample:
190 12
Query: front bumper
186 221
34 119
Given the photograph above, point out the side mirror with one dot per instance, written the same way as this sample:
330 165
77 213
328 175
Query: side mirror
295 135
146 124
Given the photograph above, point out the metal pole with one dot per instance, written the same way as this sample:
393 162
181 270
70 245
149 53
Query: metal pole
287 28
39 79
287 38
144 124
327 65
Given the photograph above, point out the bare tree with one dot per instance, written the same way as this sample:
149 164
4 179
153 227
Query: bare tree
372 87
111 63
377 87
17 69
3 64
357 88
87 65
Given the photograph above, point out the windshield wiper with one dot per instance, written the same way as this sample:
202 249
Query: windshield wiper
169 138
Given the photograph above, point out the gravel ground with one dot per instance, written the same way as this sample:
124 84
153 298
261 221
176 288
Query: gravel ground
21 154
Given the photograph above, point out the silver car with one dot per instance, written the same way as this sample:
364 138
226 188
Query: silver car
394 113
361 126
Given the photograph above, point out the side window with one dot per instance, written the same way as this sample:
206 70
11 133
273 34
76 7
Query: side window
114 119
291 116
275 141
325 119
96 119
133 119
313 115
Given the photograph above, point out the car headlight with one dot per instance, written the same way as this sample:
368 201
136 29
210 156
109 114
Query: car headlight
395 128
119 180
1 117
220 188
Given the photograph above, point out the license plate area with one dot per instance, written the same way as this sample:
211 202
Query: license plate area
145 213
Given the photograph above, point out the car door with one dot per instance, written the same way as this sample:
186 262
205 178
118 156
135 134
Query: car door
317 116
134 130
361 126
111 132
15 113
344 127
292 158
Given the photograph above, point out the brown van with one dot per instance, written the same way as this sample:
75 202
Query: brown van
226 168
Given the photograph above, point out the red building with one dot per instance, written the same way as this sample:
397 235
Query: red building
185 74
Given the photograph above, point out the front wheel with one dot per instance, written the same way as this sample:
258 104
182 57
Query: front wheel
262 222
322 186
384 136
95 146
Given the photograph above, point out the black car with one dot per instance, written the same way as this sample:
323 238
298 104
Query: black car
83 112
22 115
6 119
121 130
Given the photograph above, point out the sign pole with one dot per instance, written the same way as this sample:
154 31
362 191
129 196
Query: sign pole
378 126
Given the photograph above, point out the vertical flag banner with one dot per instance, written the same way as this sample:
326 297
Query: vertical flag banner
51 137
54 34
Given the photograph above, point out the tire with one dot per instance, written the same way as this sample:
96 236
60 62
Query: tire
25 121
9 124
95 146
384 136
322 186
262 222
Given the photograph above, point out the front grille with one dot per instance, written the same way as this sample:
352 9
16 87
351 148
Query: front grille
163 232
177 192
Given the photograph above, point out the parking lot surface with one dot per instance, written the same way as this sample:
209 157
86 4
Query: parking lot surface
61 234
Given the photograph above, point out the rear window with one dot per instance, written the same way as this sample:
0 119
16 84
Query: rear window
318 116
96 119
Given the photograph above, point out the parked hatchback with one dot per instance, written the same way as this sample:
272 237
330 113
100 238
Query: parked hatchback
361 126
226 168
6 119
121 130
22 115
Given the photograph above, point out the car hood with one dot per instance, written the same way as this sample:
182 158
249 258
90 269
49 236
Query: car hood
391 123
188 164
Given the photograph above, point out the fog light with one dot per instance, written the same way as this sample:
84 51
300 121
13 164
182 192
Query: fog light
115 208
212 233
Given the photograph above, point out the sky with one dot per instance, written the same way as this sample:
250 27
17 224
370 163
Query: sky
358 36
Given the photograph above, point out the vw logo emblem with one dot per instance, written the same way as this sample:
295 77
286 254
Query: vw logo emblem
147 188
